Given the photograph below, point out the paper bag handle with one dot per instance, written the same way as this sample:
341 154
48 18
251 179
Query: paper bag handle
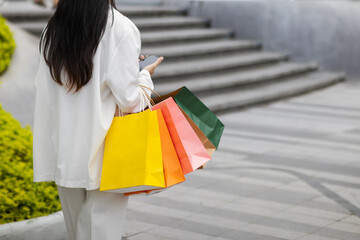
143 86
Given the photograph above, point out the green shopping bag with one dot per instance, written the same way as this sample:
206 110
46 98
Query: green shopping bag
206 120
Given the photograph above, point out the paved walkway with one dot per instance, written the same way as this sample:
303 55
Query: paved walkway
289 170
17 92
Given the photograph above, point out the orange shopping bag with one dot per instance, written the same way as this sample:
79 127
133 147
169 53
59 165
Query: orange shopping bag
173 173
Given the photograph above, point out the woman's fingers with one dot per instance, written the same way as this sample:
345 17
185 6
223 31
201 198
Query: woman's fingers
158 61
151 68
141 58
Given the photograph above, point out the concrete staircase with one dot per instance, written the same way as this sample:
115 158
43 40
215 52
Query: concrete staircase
226 73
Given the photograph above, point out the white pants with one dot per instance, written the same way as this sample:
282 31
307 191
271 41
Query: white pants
93 215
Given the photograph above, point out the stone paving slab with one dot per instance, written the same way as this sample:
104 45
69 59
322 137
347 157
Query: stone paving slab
291 175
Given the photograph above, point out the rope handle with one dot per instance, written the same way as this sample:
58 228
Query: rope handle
118 112
143 86
151 102
149 98
146 95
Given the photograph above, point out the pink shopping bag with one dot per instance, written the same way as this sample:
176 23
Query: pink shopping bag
191 152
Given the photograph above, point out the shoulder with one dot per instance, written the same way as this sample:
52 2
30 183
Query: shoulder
121 25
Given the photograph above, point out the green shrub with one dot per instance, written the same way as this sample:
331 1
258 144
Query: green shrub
7 45
20 197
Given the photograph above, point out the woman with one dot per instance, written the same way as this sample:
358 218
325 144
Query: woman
88 67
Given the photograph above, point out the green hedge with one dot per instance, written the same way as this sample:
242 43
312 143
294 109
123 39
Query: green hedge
7 45
20 197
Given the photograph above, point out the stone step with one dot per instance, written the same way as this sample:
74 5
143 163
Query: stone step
183 35
247 77
182 50
240 98
171 22
141 2
156 38
27 11
225 73
24 11
153 23
34 27
208 65
155 11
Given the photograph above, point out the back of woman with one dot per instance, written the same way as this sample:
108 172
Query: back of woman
89 65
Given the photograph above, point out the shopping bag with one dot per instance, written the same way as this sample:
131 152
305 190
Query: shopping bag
210 148
206 120
133 155
173 172
172 169
190 150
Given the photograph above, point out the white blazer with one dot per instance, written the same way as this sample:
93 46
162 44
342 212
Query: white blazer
69 129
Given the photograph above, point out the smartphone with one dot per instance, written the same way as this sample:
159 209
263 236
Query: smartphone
147 61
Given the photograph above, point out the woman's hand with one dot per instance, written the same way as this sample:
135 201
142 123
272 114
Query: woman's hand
151 68
142 57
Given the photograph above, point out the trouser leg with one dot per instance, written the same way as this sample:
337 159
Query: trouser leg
71 200
102 216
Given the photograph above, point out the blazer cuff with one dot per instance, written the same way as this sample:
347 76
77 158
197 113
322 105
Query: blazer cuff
146 80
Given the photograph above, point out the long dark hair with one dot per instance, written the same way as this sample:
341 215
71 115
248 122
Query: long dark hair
71 37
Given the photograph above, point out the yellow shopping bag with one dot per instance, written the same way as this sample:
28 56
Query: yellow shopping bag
132 156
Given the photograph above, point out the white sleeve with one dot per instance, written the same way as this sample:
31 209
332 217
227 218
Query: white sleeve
124 76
